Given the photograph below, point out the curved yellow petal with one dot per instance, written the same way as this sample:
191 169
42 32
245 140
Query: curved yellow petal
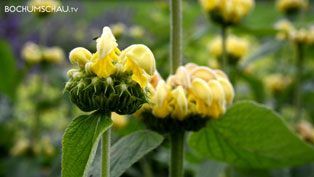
103 67
228 89
217 92
106 43
80 56
137 73
202 91
182 77
203 73
190 67
180 104
142 56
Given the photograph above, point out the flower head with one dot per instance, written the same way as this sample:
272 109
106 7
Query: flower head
192 95
31 53
110 79
237 48
53 55
43 8
284 27
291 6
227 12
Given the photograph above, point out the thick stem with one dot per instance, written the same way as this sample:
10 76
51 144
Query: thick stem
175 35
176 153
105 153
224 64
299 68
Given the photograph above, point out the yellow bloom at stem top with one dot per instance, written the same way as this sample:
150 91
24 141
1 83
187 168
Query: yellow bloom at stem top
111 79
227 12
193 90
291 6
237 48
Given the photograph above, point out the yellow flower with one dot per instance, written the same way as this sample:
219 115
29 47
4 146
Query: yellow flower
80 56
31 53
299 36
119 121
118 29
193 90
140 61
284 27
137 31
291 6
107 50
227 12
236 47
53 54
43 7
277 82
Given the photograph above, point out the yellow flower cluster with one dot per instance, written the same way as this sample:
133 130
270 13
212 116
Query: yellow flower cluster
192 90
237 47
43 7
291 6
277 82
33 53
299 36
284 27
108 60
227 12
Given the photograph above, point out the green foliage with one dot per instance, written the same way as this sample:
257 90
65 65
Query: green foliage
8 72
251 135
80 143
130 149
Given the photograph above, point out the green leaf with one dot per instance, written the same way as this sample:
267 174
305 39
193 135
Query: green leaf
251 135
8 72
130 149
80 143
215 169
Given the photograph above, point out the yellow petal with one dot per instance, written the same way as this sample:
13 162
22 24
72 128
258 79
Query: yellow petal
217 92
181 103
182 77
162 95
141 56
154 80
220 74
103 67
190 67
137 73
106 43
228 89
203 73
119 121
202 91
80 56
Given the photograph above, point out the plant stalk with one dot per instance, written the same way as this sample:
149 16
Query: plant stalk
175 35
299 69
224 64
105 153
176 153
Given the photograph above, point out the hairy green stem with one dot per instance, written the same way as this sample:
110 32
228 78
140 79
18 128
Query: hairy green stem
105 153
224 64
176 153
175 35
299 68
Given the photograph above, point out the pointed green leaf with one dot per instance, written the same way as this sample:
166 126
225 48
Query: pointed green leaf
80 143
8 72
251 135
130 149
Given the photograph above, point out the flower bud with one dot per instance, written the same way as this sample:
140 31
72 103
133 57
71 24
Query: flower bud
180 103
203 73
